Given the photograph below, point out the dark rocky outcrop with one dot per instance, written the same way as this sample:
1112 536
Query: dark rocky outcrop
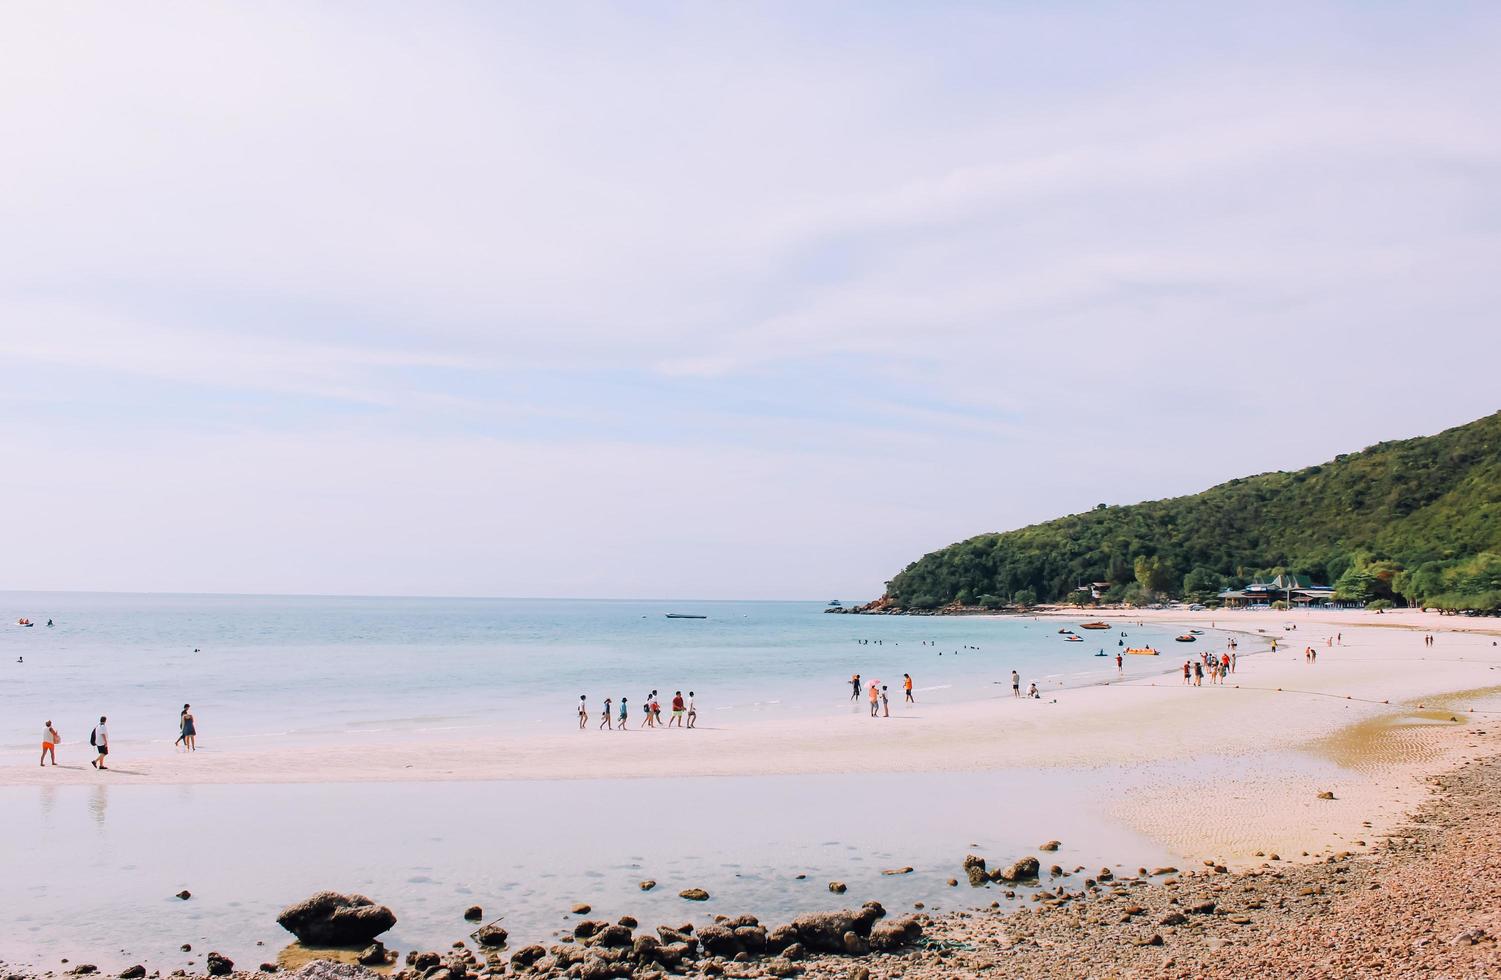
332 919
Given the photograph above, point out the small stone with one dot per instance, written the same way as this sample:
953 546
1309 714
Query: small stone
184 894
648 885
492 936
897 871
953 882
1051 845
1152 940
1168 870
629 921
133 972
1172 919
83 969
1326 795
186 947
474 913
270 968
219 965
838 887
694 894
581 908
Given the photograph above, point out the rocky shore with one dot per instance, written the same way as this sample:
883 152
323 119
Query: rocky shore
1425 900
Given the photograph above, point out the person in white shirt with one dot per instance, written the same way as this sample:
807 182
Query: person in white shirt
101 742
50 738
692 712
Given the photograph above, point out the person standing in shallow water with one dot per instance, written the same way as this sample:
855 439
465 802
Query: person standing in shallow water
855 688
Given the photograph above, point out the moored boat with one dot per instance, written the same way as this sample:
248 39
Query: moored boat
685 616
1185 638
1141 651
1094 626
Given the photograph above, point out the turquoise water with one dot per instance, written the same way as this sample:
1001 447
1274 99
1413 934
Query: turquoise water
268 667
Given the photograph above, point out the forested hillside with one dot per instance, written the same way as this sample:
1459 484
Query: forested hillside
1413 522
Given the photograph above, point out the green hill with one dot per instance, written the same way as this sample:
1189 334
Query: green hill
1416 521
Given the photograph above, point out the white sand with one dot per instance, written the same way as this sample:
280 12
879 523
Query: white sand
1276 707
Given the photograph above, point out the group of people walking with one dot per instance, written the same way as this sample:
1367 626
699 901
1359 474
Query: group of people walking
876 694
187 737
684 713
1218 667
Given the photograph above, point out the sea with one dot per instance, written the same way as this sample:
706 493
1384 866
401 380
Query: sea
91 872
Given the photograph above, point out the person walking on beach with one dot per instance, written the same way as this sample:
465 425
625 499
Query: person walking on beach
1198 675
624 714
875 699
605 721
50 738
189 731
677 710
1016 684
99 739
1187 672
646 710
692 712
1120 664
907 686
855 688
885 703
583 711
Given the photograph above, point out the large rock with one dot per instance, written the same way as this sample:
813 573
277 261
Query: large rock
823 932
218 965
332 919
1023 870
491 935
974 868
886 936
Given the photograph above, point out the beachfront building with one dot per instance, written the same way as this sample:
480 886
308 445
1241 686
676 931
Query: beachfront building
1295 590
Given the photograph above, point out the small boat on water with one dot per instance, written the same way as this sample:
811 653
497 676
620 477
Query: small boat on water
1073 639
1065 632
1094 626
685 616
1197 632
23 621
1142 651
1185 638
835 604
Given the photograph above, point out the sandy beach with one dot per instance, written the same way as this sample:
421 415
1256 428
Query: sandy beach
1379 703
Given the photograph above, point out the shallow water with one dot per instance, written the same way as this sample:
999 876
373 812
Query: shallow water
310 668
91 871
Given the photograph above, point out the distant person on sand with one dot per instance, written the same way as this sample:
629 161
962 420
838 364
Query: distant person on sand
1033 692
646 711
907 686
656 710
50 738
1016 684
855 688
875 699
1120 664
677 710
1187 672
1198 675
188 732
605 721
624 714
692 712
885 703
100 740
583 711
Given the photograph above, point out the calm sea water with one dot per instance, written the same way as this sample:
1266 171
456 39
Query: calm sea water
266 667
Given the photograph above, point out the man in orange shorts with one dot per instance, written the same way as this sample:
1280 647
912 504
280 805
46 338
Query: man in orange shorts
50 738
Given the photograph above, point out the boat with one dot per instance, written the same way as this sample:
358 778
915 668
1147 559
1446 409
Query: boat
1065 632
1094 626
1073 639
23 621
685 616
1185 638
835 604
1197 632
1142 651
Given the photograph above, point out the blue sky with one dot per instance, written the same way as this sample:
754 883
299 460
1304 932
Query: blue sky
745 300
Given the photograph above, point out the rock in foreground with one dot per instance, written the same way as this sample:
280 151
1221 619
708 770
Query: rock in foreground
332 919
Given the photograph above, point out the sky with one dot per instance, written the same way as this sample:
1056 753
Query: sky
679 300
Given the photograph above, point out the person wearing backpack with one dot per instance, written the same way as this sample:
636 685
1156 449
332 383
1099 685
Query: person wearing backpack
99 739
